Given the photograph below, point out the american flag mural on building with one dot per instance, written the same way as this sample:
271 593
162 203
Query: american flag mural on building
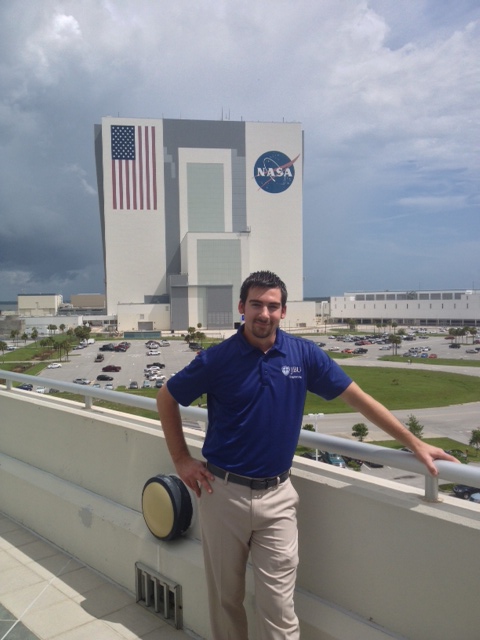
134 183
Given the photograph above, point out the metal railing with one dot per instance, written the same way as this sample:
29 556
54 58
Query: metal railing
449 471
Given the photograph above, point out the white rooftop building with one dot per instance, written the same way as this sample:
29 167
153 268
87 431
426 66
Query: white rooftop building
429 307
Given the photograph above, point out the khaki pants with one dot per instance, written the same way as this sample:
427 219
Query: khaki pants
236 521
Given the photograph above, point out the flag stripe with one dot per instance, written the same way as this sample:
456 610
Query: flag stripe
134 183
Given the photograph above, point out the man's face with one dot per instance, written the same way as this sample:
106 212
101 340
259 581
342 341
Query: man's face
263 311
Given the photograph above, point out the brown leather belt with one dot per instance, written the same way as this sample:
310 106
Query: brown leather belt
257 484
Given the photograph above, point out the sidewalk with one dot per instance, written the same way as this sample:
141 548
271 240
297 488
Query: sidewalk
45 594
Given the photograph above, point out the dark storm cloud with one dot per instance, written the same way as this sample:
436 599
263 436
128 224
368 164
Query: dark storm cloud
387 93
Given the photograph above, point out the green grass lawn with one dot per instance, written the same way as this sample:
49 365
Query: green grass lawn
403 389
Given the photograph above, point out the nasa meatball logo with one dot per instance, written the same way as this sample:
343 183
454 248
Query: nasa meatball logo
274 171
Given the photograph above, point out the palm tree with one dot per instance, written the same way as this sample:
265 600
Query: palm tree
395 341
65 346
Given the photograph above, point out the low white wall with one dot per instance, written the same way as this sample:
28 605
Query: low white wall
376 561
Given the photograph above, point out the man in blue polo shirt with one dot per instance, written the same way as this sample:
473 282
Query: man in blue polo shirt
256 383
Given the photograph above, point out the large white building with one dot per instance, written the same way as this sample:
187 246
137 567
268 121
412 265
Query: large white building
189 209
446 307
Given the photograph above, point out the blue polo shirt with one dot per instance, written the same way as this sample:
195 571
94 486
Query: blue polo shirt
256 400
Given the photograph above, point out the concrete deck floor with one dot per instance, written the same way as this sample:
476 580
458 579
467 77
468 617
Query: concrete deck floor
44 593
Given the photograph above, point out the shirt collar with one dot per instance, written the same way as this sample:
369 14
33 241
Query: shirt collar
246 347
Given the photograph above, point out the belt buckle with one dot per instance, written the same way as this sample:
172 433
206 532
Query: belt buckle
272 482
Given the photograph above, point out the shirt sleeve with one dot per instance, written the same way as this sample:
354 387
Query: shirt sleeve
191 382
327 379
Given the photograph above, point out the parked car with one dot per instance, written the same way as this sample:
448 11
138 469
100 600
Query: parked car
475 497
107 347
432 355
54 365
41 390
454 345
360 350
103 377
81 381
153 352
464 491
109 386
164 343
133 385
146 384
100 358
159 384
471 351
112 367
160 365
152 344
26 387
332 458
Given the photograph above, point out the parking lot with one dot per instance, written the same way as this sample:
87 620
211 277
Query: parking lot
81 363
437 345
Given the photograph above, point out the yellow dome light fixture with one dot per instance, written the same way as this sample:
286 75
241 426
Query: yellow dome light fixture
166 507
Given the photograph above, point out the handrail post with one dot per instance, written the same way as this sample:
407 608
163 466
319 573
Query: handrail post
431 488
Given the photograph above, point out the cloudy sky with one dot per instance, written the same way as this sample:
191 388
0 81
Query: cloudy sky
388 93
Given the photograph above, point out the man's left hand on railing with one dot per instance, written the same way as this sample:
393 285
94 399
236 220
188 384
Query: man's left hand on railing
374 411
428 454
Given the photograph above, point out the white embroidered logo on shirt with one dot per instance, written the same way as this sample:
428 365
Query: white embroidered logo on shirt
292 372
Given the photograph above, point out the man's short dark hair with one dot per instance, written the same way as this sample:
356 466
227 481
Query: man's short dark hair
263 280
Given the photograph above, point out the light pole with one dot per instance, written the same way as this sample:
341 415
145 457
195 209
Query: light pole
315 417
